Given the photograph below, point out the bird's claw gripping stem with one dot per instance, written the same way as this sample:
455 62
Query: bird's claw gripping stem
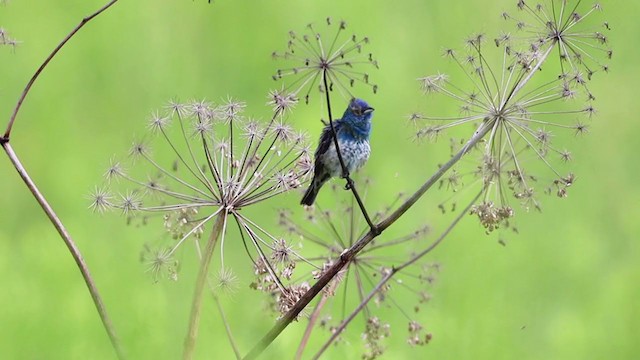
349 184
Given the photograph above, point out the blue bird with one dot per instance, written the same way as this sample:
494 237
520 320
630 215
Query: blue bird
352 132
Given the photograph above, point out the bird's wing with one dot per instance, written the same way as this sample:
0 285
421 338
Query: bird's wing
326 138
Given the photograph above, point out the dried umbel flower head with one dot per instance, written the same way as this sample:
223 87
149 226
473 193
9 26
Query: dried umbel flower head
561 23
201 163
516 105
282 101
227 281
332 55
327 233
274 276
160 263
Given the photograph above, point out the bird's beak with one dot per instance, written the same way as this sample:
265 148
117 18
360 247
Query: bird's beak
368 110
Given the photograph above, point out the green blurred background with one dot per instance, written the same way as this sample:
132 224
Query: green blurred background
567 287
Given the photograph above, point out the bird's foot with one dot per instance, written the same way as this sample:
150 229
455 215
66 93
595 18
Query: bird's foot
349 184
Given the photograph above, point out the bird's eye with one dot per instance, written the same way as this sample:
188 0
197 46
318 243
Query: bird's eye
357 111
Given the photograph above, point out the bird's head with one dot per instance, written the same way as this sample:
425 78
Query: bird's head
357 118
358 111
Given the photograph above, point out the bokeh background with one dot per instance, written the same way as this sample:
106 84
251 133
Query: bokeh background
566 287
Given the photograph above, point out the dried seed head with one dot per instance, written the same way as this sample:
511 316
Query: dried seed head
219 163
339 227
227 281
100 200
519 117
315 55
287 299
160 263
7 40
282 252
157 122
282 101
492 216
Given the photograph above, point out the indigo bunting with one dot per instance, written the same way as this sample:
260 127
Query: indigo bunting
352 131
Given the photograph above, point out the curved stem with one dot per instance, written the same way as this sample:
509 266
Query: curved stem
82 23
73 249
53 217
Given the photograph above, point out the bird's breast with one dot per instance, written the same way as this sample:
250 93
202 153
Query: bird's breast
355 153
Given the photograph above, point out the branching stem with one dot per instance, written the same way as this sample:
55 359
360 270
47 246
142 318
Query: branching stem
53 217
25 92
394 271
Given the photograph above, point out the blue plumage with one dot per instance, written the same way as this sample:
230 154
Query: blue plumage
352 131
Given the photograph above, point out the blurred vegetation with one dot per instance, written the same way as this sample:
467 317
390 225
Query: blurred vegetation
566 287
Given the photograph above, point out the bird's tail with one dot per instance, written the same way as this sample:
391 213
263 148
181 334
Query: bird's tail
310 196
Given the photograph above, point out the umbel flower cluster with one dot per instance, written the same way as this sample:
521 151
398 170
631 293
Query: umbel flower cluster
326 233
315 54
518 105
212 162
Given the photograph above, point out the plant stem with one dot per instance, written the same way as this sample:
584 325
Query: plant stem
196 306
312 322
73 249
57 223
82 23
345 172
53 217
355 312
394 271
227 328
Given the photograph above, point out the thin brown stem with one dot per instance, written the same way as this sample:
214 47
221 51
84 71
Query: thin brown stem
313 319
82 23
345 172
227 328
73 249
196 306
394 271
355 312
53 217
